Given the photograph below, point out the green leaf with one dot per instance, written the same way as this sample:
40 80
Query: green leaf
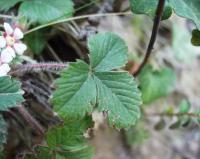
148 7
137 134
188 9
119 97
46 11
67 142
107 52
184 106
10 93
195 37
155 84
3 132
36 41
81 87
160 125
5 5
175 125
76 93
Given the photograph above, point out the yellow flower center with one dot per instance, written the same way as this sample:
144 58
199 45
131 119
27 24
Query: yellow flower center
10 40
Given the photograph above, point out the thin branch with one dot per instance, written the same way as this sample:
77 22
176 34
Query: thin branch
156 25
173 114
21 69
6 16
76 18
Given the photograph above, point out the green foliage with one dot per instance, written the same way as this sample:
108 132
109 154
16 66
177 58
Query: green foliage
184 106
5 5
160 125
3 132
45 11
188 9
67 142
156 83
83 86
195 37
183 116
137 134
37 41
10 93
107 52
181 44
148 7
184 8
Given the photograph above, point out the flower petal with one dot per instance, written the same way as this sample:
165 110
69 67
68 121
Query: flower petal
4 69
20 48
8 28
2 42
18 34
7 55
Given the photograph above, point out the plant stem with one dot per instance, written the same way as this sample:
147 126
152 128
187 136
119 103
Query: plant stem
33 123
157 19
173 114
76 18
6 16
20 69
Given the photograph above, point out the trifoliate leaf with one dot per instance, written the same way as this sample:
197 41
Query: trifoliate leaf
45 11
81 87
5 5
148 7
10 93
118 95
76 92
107 52
3 132
155 84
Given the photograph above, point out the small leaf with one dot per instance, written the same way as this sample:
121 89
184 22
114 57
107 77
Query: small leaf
137 134
195 37
184 106
156 84
107 52
46 11
175 125
148 7
10 93
160 125
5 5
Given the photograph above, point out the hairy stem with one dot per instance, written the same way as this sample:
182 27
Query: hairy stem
33 123
21 69
157 19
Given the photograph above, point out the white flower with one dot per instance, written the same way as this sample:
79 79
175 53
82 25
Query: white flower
7 55
11 38
4 69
